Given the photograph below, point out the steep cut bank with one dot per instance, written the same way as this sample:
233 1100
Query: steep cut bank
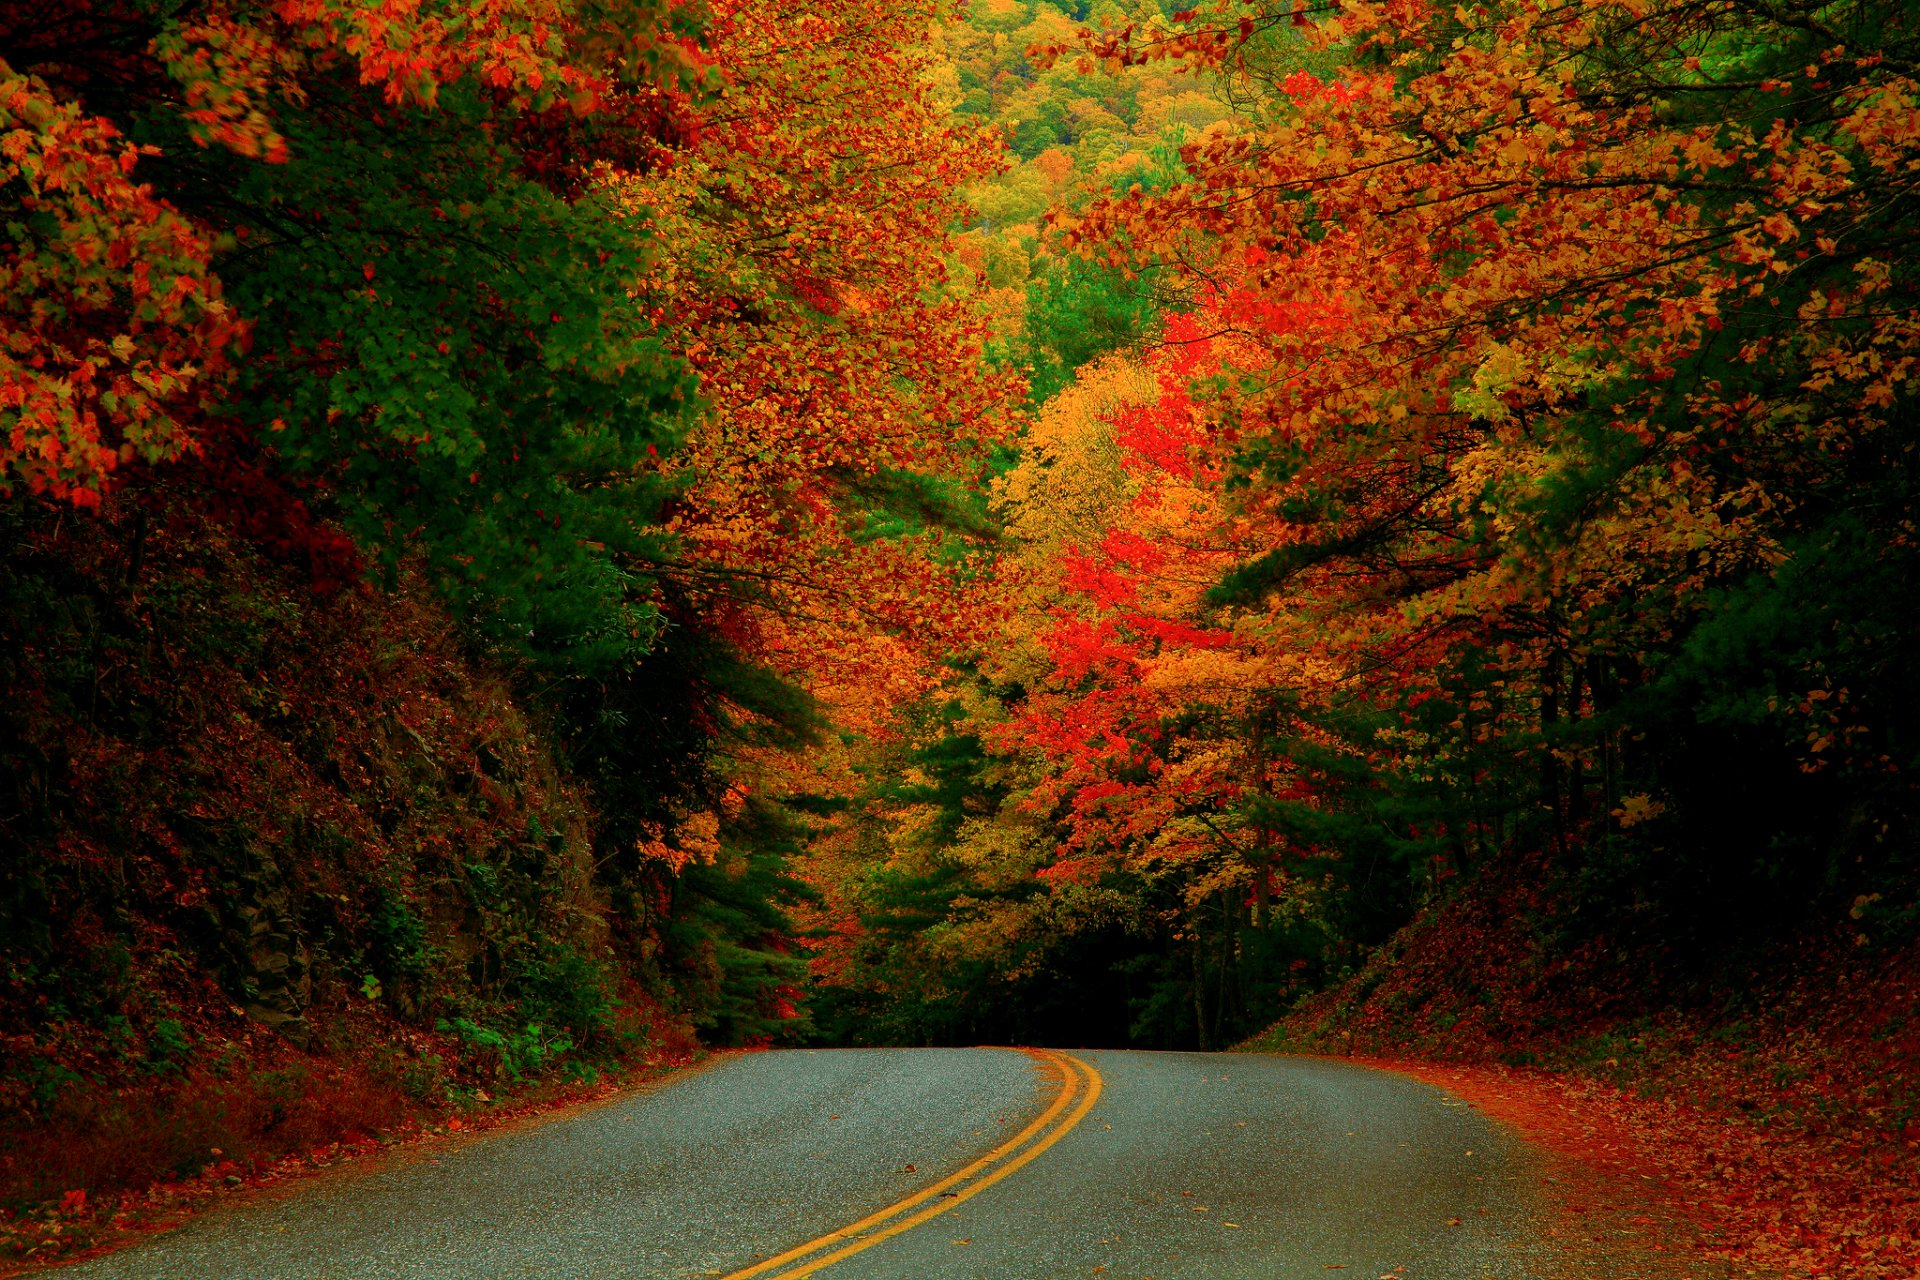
1766 1093
285 863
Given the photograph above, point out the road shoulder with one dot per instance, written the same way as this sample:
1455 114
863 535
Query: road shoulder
37 1242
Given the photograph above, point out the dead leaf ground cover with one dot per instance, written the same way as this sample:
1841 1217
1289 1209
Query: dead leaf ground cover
1775 1121
82 1226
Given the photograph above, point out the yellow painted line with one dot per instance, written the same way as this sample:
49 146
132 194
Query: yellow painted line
1068 1083
1070 1086
1091 1096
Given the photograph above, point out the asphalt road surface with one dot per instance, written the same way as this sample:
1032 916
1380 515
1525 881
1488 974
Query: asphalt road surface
929 1164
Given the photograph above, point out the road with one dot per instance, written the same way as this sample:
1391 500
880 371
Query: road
927 1164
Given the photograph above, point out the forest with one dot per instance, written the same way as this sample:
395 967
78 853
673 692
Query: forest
538 537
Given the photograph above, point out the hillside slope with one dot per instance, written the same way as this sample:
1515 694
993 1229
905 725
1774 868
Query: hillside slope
1770 1090
285 862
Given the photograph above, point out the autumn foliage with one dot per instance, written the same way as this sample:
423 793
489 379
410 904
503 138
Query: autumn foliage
1482 461
582 352
1622 356
1479 495
1019 521
114 319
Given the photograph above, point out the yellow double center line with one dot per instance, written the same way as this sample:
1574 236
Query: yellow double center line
1077 1080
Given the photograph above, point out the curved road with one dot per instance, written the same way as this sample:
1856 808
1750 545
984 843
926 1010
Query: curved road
928 1164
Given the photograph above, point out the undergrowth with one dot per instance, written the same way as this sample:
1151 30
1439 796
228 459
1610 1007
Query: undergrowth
1775 1087
287 863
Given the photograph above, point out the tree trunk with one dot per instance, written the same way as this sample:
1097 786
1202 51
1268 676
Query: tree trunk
1199 988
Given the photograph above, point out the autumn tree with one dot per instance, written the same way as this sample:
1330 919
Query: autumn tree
598 317
1572 533
1595 488
315 184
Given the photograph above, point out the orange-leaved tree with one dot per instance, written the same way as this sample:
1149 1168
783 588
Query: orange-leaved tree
117 334
843 411
1601 476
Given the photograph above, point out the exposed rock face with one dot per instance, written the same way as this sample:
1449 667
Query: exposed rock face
276 973
266 963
